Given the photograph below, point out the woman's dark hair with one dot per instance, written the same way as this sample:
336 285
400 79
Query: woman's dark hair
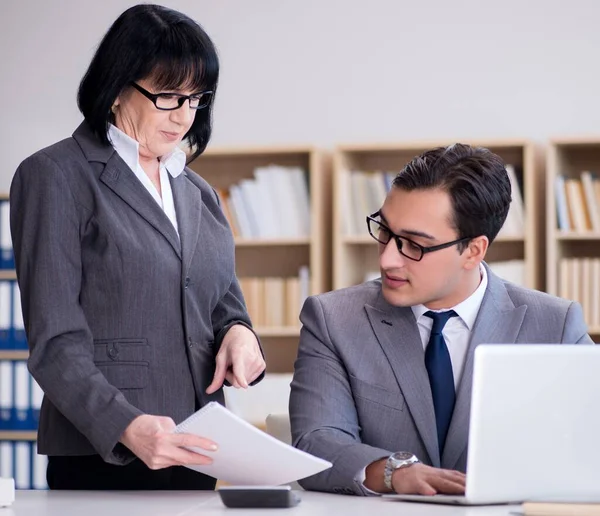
476 181
150 41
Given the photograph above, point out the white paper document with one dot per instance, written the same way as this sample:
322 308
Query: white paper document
247 455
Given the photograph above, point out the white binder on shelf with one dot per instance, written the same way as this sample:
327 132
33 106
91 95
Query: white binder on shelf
23 465
18 324
5 314
6 459
40 463
21 395
6 250
6 395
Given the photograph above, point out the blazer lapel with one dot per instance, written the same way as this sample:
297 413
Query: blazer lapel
498 322
397 333
188 207
122 181
117 176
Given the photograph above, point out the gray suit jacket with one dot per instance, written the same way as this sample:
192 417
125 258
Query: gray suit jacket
361 390
122 315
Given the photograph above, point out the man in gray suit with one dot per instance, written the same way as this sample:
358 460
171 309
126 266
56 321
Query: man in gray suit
382 382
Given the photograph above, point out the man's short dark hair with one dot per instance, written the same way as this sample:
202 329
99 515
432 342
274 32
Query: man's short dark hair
150 41
476 181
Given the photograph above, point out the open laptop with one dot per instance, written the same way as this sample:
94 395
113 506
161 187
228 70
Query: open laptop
534 426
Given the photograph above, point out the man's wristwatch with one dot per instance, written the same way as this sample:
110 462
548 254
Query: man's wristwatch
396 461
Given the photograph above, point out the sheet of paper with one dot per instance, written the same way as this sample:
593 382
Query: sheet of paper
246 454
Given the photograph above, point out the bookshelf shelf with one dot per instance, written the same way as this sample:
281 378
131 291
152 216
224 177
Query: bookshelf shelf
366 239
262 261
9 354
561 235
508 239
358 240
18 435
8 274
354 260
278 331
283 242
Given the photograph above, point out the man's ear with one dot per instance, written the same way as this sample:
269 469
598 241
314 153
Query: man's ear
475 252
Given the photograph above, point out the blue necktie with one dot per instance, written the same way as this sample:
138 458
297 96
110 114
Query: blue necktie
441 377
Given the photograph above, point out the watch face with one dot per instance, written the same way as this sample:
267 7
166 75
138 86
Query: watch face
402 455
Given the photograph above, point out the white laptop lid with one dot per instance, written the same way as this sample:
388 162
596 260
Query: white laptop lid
535 424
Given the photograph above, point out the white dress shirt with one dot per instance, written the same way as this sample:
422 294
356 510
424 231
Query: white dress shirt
173 163
456 332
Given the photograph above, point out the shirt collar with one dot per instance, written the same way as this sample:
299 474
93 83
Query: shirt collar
128 149
468 309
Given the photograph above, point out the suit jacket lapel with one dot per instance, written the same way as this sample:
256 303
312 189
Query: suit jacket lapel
498 322
397 333
122 181
188 207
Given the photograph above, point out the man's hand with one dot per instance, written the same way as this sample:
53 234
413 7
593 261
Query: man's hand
416 479
151 439
425 480
239 359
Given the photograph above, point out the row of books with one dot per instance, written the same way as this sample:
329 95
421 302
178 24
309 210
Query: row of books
12 327
20 397
7 260
20 460
273 301
579 280
274 204
365 192
578 202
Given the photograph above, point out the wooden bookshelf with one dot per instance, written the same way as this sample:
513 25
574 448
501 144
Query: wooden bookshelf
356 255
11 354
278 257
568 157
18 435
278 331
8 274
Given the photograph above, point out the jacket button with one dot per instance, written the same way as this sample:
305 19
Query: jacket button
113 352
190 343
187 282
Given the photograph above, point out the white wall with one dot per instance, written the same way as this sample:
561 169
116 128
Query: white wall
329 71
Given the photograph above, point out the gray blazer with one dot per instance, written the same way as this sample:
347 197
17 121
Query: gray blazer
122 315
360 389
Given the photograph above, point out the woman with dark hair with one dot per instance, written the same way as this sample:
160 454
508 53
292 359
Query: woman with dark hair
134 315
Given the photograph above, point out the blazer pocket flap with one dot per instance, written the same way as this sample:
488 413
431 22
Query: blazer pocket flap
391 398
125 375
121 350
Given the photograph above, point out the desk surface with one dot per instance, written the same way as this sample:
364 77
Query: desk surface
188 503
